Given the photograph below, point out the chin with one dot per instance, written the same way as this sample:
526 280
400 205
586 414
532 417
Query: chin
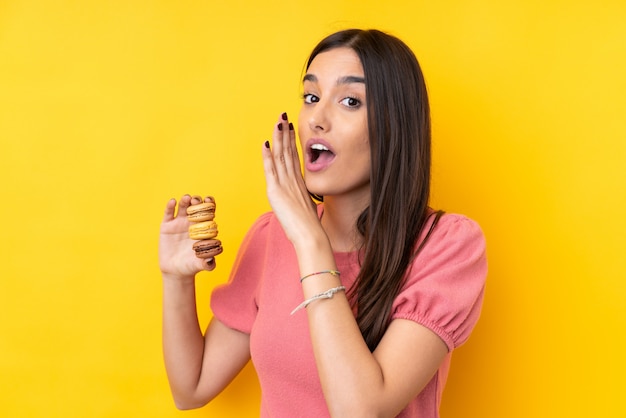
316 189
316 192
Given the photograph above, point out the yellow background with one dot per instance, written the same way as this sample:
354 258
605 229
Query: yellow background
109 108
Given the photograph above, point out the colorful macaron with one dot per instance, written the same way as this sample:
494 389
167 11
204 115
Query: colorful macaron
208 248
203 230
202 211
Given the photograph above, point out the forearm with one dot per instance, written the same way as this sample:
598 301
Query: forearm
351 377
183 342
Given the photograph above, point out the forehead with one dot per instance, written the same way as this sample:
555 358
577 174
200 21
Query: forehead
336 63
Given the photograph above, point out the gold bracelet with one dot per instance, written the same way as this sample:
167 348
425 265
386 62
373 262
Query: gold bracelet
332 272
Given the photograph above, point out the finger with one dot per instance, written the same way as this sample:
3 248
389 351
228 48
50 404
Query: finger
184 203
283 128
278 143
289 145
294 150
284 140
292 156
268 164
209 265
291 153
170 209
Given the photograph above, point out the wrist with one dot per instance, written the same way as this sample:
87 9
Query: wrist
178 278
314 243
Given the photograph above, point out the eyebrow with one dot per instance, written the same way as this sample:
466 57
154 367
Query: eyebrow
342 80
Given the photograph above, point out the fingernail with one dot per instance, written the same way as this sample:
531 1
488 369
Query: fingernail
280 126
290 126
284 116
267 144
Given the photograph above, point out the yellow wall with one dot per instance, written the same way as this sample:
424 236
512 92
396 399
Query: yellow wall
109 108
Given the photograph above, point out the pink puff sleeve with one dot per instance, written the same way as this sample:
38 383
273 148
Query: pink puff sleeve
446 281
235 303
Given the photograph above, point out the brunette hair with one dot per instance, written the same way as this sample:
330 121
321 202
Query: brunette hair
398 116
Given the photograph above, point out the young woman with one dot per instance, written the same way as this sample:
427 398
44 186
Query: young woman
351 307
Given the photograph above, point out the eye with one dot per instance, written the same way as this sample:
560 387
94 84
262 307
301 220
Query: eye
352 102
310 98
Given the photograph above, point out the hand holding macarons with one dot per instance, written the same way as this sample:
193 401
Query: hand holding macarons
179 256
204 229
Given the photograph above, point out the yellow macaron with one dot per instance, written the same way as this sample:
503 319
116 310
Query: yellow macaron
203 230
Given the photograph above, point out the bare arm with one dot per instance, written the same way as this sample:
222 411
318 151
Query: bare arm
198 366
355 381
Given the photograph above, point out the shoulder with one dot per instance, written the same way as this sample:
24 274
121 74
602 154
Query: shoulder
263 220
264 234
454 236
457 244
264 224
455 233
445 282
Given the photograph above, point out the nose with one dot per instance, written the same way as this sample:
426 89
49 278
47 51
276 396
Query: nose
319 119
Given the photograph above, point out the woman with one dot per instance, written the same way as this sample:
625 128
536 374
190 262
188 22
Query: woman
388 287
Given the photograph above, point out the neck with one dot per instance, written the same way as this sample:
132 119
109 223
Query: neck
339 222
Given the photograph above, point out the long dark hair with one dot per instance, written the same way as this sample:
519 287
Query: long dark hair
398 115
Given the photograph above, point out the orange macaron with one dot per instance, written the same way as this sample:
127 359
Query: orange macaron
202 211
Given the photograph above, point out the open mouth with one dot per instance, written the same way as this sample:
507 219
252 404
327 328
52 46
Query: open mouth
320 154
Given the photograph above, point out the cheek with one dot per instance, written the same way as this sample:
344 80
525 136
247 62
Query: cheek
364 157
365 142
366 152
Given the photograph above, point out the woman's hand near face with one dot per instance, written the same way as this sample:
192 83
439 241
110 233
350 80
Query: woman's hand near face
176 256
286 190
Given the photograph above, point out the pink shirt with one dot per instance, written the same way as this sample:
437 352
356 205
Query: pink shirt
444 293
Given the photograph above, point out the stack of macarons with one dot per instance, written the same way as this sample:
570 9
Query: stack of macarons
204 229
